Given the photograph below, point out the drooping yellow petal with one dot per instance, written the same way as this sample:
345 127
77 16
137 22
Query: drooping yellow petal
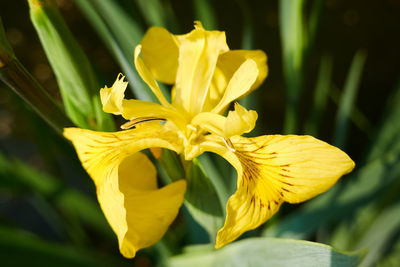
273 169
125 179
198 54
238 85
160 53
94 149
227 65
138 212
148 78
238 122
111 98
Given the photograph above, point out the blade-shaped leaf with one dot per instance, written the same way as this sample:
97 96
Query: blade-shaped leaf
269 252
76 79
348 98
202 200
121 34
23 249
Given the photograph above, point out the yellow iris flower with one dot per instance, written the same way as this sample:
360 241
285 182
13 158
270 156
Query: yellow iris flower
207 77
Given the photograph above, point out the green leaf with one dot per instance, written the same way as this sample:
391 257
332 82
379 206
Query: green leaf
202 200
377 238
6 51
152 11
222 187
269 252
205 13
79 207
293 38
320 96
121 34
348 98
19 178
387 136
77 82
393 258
18 79
23 249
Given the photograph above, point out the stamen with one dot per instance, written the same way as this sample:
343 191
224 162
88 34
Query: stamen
191 127
134 122
229 144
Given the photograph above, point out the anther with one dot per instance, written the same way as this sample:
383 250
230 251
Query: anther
229 144
134 122
191 127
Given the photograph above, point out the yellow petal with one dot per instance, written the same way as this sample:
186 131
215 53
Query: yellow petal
148 78
239 84
138 212
231 60
273 169
111 98
125 179
160 54
94 149
133 109
227 65
211 122
237 122
198 54
240 121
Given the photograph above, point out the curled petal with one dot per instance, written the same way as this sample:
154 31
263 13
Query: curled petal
227 64
273 169
126 184
111 98
238 85
238 122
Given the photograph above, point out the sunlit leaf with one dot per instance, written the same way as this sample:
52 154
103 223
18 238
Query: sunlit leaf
76 79
268 252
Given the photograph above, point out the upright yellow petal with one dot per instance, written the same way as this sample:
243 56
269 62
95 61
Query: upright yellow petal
198 54
148 77
238 85
227 64
273 169
125 179
160 53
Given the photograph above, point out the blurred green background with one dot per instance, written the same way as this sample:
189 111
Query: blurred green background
333 73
